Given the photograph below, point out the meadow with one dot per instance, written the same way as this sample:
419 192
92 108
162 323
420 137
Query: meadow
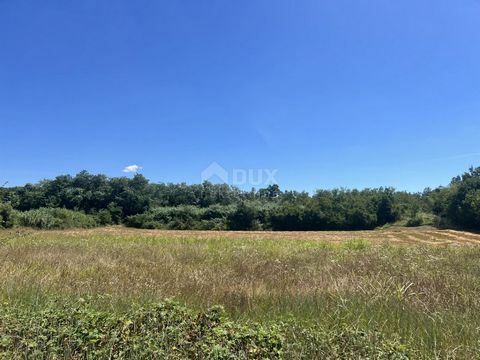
394 293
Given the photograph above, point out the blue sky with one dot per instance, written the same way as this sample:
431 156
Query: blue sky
328 93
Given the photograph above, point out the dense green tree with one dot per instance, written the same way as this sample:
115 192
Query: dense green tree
463 200
137 202
270 192
244 217
385 208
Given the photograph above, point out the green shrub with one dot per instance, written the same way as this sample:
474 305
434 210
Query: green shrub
183 217
245 217
167 330
178 218
442 222
54 218
8 216
414 222
163 331
104 217
213 224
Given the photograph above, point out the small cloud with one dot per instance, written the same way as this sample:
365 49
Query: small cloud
132 168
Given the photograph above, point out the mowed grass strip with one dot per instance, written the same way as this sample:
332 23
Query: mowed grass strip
428 295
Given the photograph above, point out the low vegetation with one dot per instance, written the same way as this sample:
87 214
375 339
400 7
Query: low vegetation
54 218
168 330
163 330
389 294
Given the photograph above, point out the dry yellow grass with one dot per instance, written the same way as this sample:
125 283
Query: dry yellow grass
422 235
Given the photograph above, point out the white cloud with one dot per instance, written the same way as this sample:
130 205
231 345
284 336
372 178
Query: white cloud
132 168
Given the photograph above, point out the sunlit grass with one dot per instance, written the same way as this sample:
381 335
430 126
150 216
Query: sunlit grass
428 295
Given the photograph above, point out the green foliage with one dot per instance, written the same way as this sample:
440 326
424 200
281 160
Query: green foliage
289 217
7 216
459 204
170 331
166 330
104 217
414 222
335 210
54 218
182 218
139 203
385 208
244 217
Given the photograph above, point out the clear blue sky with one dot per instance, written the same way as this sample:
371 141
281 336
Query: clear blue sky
330 93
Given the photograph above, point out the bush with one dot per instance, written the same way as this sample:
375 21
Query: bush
167 330
360 219
245 217
215 217
414 222
182 218
104 217
7 216
287 218
164 330
54 218
441 222
178 218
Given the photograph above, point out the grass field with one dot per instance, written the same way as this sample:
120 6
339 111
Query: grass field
418 286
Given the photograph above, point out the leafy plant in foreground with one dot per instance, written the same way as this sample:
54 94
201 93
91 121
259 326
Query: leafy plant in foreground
168 330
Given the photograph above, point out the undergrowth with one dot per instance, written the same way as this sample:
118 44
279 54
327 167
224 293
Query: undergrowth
168 330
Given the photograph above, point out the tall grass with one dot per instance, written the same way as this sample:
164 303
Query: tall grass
428 296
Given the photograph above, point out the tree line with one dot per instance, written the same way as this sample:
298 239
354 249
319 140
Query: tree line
87 200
